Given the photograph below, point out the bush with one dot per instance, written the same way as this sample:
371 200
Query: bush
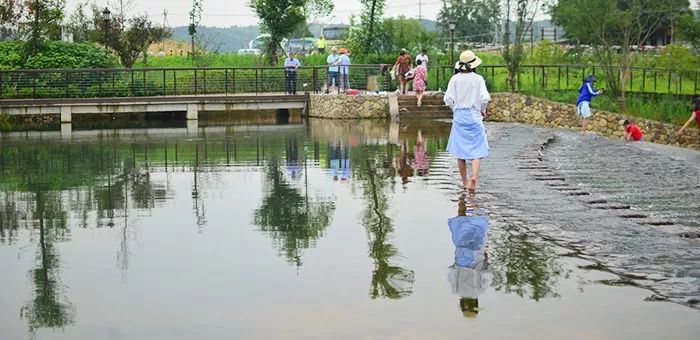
678 58
56 54
11 54
547 53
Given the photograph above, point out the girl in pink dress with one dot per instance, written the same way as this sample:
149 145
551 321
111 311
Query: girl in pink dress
419 74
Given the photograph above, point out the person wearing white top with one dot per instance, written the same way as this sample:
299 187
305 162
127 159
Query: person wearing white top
423 57
468 97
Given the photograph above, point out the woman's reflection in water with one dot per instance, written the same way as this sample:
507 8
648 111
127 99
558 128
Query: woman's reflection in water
469 275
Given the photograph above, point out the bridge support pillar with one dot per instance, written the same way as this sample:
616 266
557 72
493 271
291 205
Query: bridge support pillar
192 112
393 106
66 131
192 127
66 114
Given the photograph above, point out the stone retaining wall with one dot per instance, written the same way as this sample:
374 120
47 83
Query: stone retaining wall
510 107
335 106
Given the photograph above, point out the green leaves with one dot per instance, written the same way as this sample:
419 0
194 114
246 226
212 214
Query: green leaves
55 54
279 18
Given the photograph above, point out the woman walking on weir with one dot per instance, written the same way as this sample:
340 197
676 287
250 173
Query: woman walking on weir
403 64
467 96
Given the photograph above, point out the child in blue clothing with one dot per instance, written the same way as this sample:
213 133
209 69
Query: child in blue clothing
583 104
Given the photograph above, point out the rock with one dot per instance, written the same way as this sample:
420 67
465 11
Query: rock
634 275
656 277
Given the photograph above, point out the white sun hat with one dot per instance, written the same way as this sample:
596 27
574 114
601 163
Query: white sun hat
468 57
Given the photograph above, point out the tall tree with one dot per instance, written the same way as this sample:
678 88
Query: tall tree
128 39
614 29
80 22
476 20
195 18
689 28
524 12
278 18
369 19
11 14
46 17
316 9
397 33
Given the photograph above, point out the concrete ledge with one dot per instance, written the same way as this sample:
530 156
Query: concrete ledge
66 110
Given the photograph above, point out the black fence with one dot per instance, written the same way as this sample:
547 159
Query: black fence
102 83
95 83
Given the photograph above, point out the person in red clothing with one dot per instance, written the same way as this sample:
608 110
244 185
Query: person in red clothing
632 131
695 116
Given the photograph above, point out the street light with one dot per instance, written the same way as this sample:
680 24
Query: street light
106 16
452 25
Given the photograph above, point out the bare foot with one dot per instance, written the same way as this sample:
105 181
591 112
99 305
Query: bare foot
472 184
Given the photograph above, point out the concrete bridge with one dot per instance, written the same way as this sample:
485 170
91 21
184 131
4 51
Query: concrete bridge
190 104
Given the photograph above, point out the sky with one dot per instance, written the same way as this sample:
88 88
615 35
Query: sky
225 13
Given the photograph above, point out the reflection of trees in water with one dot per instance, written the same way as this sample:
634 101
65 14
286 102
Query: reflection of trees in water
10 217
524 267
48 309
388 280
293 222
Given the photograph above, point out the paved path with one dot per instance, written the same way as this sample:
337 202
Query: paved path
541 180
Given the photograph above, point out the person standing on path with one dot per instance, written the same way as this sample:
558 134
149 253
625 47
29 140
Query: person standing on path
423 58
344 69
333 60
467 96
583 104
419 75
321 43
291 65
404 64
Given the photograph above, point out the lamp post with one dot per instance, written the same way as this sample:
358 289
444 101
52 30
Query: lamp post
452 25
106 16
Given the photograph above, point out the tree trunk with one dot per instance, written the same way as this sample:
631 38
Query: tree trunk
35 28
370 29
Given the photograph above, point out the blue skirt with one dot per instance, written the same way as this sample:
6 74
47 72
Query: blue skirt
468 136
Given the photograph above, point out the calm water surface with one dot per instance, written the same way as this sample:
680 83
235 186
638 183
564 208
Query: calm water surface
252 229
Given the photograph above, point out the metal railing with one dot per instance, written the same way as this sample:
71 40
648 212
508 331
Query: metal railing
538 78
103 83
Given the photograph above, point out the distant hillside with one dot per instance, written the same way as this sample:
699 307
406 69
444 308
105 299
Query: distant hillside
430 25
227 39
230 39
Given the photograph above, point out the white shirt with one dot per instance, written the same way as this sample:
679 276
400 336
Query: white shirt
467 91
423 59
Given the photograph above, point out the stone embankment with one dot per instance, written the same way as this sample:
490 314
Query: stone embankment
504 107
333 106
510 107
